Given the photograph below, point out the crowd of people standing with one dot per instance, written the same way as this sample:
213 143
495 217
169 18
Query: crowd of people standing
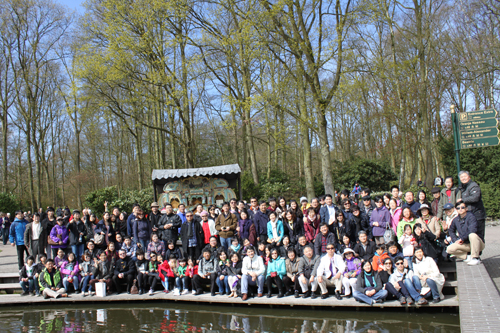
382 247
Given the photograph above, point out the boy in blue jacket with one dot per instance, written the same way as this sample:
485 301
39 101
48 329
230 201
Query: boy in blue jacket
16 237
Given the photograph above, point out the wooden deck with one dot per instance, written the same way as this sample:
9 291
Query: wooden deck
290 301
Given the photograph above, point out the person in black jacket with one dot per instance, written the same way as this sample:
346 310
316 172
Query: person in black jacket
192 237
465 237
124 272
343 226
361 221
369 286
365 249
77 233
48 223
103 272
427 240
471 196
260 220
293 227
168 225
154 216
301 244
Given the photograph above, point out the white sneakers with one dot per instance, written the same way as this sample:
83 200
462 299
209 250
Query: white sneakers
469 258
194 292
151 292
474 262
184 292
176 292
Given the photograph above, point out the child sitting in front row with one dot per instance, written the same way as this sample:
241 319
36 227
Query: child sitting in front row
181 281
191 271
168 272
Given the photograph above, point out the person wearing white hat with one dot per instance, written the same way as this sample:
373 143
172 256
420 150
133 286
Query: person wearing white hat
428 220
352 270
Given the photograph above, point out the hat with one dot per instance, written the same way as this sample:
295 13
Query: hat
448 206
163 211
302 199
347 250
76 211
204 213
367 197
422 206
435 190
154 204
50 209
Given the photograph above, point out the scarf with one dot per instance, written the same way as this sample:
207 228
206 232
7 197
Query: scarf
190 229
236 248
245 228
370 280
275 228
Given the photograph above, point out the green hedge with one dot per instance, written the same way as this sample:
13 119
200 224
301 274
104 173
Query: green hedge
9 203
124 201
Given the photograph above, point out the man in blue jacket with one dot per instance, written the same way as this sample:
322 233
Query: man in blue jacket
329 212
260 220
463 232
16 237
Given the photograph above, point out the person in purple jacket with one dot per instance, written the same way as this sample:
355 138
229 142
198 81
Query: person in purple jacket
59 235
379 219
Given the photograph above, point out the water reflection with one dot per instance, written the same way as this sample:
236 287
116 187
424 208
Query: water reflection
193 318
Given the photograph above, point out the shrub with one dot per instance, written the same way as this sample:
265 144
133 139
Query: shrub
9 203
128 198
95 200
374 174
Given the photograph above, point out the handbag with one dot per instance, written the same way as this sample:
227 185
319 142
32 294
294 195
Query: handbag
133 289
389 234
51 242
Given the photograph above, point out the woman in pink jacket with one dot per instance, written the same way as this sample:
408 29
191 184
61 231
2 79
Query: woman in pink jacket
395 214
69 271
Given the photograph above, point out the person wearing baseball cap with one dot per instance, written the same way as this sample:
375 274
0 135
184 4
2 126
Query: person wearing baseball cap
450 213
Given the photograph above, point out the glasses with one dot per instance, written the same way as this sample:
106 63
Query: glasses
461 207
398 263
330 248
189 215
388 263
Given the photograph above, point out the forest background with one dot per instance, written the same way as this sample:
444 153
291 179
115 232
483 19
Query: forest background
307 96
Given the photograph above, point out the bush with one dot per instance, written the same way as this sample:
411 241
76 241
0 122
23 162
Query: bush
248 186
490 194
9 203
95 200
374 174
128 198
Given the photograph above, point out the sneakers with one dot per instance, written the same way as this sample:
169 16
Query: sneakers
435 300
469 258
409 300
184 292
151 292
307 294
297 295
402 300
176 292
84 294
324 296
25 293
314 295
474 262
141 292
280 294
422 301
193 292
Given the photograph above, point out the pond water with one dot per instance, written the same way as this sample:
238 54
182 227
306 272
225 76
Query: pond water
155 317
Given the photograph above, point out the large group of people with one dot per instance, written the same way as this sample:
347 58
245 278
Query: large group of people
382 247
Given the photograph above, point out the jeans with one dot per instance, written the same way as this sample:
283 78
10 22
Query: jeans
5 235
411 289
434 289
381 294
28 286
86 284
402 291
223 285
182 283
225 242
246 280
144 244
78 251
66 283
410 263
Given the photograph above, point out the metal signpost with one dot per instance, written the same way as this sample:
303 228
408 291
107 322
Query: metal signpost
474 129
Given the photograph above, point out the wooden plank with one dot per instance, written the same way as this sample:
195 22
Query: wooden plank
450 301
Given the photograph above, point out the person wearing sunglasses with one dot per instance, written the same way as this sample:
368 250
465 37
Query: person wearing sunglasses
466 242
396 285
330 271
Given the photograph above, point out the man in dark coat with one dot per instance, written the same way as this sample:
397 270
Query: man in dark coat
124 272
260 220
192 237
471 196
168 225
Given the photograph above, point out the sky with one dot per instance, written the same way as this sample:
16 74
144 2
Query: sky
73 4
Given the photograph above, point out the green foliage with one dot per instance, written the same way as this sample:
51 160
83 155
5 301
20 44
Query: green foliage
490 194
484 167
9 203
248 186
95 200
374 174
128 198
